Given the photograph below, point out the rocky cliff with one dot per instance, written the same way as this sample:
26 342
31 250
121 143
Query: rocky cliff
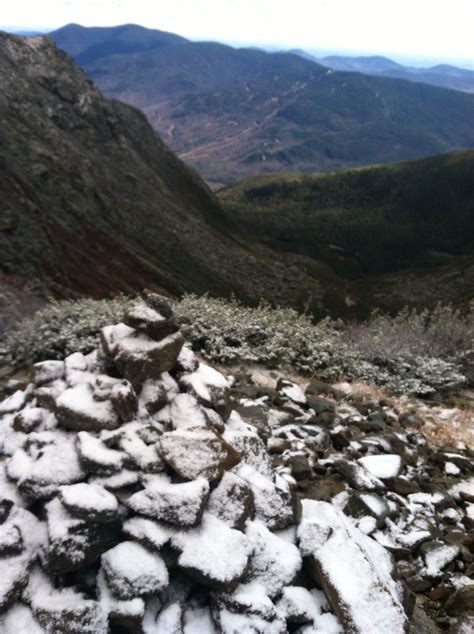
93 202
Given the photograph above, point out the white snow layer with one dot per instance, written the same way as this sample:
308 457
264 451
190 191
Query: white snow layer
355 568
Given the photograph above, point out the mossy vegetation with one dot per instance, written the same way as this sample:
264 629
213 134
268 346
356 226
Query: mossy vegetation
364 221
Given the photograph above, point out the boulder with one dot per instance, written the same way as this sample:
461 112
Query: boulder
20 618
170 620
48 461
232 501
73 542
139 358
122 614
65 610
298 605
251 449
354 571
47 372
358 477
29 419
248 598
256 416
157 322
95 456
186 412
153 535
11 540
276 504
213 553
382 466
123 399
232 622
275 562
90 502
156 393
292 391
437 555
210 387
367 505
13 403
77 409
181 505
139 455
14 577
197 452
110 336
132 571
320 405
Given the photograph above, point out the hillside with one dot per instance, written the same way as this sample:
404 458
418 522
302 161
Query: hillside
443 75
92 201
412 219
232 113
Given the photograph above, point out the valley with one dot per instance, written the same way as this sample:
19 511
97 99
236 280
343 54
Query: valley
240 112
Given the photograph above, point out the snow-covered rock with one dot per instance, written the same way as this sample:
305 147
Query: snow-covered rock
196 452
132 571
382 466
90 502
177 504
232 501
177 515
213 553
275 562
354 571
140 358
77 409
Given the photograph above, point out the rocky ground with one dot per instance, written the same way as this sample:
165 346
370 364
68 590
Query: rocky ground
143 491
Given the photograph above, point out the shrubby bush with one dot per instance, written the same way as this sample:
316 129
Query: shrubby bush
63 327
444 333
227 332
411 353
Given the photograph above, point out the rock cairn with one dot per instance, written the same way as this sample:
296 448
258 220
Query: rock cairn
141 491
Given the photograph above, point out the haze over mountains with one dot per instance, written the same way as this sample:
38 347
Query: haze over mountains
232 113
443 75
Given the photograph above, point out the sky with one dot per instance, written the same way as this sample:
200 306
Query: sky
438 30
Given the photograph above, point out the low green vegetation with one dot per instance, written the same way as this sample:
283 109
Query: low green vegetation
364 221
63 327
412 353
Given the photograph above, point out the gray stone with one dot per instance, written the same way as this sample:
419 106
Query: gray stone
232 501
139 358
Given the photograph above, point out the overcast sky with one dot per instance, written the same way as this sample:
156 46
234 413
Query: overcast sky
437 29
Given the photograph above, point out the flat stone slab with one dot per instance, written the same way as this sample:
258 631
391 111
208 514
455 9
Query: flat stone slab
354 571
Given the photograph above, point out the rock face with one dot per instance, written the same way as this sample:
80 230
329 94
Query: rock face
147 504
93 201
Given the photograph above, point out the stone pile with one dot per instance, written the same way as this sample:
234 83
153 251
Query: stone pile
141 491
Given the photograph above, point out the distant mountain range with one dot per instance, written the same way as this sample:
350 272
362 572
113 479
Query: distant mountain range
443 75
232 113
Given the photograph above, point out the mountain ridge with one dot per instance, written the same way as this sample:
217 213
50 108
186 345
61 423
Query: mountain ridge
231 113
441 75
